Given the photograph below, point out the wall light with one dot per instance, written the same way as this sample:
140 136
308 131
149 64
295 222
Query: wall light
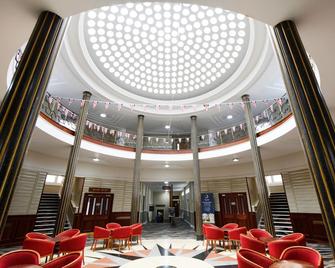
236 159
96 159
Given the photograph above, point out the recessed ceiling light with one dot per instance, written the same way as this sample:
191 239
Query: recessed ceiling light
167 126
96 159
103 115
166 182
167 165
236 159
229 116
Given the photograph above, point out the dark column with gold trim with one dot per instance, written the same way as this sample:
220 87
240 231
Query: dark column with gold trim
259 170
196 178
135 200
72 165
21 104
313 119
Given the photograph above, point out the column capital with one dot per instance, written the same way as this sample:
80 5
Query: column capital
245 97
193 117
140 116
86 95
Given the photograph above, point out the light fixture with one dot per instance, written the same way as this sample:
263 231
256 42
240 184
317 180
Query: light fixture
103 115
229 116
167 126
236 159
167 165
166 182
96 159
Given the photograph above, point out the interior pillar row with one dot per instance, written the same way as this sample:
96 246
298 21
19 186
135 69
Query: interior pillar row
196 178
67 188
312 117
262 188
135 200
21 105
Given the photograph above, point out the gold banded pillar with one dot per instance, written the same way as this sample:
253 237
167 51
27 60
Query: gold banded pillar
21 104
313 119
259 170
66 196
135 200
196 178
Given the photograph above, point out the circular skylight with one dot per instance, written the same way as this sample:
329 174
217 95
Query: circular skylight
166 50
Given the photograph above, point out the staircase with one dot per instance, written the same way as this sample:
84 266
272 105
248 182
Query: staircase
47 214
280 214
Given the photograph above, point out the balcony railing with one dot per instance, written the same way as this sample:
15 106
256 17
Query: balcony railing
53 109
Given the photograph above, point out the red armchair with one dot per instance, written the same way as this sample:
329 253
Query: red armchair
19 257
45 248
297 237
204 226
259 233
32 235
306 254
250 242
67 234
278 246
100 234
121 234
71 260
74 244
247 258
112 225
234 236
213 234
136 231
230 226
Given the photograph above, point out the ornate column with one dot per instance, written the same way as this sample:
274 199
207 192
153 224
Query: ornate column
258 165
22 102
135 200
196 178
72 165
313 119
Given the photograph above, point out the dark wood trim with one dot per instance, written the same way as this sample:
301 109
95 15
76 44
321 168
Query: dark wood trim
311 225
167 151
16 228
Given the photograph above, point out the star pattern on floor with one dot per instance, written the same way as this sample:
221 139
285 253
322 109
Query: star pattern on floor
112 258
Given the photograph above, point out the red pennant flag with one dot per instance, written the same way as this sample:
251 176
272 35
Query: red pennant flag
241 126
233 128
254 103
95 103
66 112
106 105
271 107
50 100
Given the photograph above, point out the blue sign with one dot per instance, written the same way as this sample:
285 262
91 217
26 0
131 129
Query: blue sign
207 207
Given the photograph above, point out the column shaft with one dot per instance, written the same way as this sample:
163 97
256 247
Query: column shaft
313 119
196 177
72 165
21 104
258 165
137 171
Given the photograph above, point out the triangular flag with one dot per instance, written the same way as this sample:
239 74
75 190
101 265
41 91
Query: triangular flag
94 104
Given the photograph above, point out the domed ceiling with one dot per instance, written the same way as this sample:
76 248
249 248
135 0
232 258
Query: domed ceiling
166 51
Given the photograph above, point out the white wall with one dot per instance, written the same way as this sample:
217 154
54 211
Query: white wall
300 192
162 198
27 192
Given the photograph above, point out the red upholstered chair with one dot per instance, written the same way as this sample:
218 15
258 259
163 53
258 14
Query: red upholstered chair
68 234
234 236
213 234
37 235
230 226
247 258
306 254
259 233
297 237
73 244
112 225
19 257
121 234
100 234
204 226
250 242
278 246
136 231
45 248
71 260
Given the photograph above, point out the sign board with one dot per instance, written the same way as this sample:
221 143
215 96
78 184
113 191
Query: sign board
207 207
99 190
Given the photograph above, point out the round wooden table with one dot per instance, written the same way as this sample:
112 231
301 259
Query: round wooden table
291 264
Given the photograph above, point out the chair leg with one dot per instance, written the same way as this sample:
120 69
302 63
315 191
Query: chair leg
141 239
206 244
229 244
84 256
92 244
